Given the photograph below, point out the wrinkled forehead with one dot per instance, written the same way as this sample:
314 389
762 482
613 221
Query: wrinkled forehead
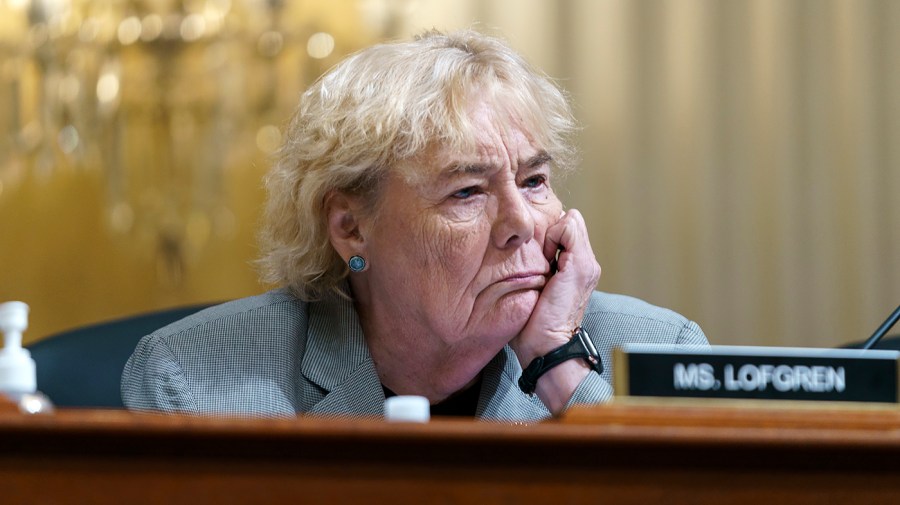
491 129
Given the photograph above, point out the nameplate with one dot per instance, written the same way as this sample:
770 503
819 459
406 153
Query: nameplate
762 373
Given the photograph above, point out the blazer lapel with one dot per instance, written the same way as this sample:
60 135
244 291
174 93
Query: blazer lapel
501 399
337 359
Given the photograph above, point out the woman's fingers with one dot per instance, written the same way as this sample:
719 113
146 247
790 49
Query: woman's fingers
569 238
564 298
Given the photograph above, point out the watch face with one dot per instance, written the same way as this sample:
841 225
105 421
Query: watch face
593 356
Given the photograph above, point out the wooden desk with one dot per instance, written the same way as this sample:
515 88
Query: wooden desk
611 454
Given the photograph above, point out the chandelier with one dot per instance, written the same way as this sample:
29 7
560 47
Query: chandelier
163 98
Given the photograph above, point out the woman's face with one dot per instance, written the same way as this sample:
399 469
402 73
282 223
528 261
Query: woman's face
455 251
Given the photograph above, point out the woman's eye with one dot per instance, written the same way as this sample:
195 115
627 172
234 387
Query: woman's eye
535 181
465 193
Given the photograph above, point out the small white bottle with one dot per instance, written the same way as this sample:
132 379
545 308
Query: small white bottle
407 409
18 379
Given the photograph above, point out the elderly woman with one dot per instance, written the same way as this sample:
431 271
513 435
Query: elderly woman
421 250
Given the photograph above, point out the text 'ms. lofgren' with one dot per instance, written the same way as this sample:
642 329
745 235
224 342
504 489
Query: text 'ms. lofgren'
750 377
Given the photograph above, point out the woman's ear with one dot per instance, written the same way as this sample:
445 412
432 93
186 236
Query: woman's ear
344 218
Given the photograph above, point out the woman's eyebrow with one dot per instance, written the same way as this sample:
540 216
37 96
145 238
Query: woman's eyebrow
458 168
461 168
539 159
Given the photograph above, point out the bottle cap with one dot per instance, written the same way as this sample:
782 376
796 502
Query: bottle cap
410 409
17 371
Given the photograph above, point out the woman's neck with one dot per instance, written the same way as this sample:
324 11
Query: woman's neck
409 360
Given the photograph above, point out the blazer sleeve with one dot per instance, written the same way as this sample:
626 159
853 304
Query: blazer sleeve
153 379
692 336
593 389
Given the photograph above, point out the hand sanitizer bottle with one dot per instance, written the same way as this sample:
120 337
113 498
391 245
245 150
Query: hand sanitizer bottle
18 382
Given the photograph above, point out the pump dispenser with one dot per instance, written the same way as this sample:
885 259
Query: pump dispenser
18 380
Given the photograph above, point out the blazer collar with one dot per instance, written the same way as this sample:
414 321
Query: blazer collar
501 399
337 359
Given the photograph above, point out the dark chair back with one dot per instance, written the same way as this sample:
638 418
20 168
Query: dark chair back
83 367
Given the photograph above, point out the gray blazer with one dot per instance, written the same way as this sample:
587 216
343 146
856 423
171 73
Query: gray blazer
274 355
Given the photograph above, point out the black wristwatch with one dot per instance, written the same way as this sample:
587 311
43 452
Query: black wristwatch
579 346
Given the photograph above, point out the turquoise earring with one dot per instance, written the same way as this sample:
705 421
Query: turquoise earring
357 263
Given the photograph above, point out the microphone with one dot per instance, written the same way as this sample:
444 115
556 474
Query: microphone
883 329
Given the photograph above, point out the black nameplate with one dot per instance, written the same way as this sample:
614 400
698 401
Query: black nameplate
764 373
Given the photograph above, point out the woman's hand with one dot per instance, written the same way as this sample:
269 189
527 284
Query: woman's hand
560 308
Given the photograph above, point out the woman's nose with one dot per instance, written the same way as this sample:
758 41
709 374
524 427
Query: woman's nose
514 224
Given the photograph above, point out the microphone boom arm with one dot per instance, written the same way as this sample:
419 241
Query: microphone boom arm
883 329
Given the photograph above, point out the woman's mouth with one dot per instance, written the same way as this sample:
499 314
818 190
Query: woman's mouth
526 280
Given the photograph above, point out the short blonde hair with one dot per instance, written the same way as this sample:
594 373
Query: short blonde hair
381 106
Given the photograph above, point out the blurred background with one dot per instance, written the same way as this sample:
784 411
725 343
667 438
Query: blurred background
741 159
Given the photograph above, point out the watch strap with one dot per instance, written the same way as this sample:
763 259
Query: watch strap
579 346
